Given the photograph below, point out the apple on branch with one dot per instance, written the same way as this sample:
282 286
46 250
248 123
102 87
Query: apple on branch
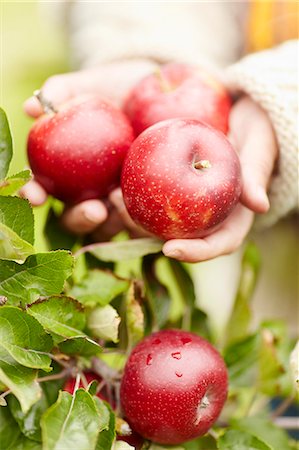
174 387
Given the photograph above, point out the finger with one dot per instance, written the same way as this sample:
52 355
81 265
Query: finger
222 242
34 192
252 133
84 217
57 89
116 199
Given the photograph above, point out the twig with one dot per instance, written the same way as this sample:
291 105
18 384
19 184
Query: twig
57 376
288 423
282 407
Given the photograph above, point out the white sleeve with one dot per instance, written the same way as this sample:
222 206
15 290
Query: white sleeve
271 78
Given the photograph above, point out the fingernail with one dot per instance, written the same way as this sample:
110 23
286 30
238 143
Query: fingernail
263 198
92 214
173 253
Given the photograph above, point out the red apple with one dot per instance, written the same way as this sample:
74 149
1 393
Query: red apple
174 387
77 153
181 179
90 376
178 90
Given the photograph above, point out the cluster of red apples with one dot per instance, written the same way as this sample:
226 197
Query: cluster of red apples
180 178
179 174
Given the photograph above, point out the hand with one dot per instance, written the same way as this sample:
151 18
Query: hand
252 135
112 82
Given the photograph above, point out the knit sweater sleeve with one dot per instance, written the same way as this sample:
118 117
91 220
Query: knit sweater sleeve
270 78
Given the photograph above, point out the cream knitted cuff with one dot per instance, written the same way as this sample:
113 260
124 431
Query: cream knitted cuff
271 79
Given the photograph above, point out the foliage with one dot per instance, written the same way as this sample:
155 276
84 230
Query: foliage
59 319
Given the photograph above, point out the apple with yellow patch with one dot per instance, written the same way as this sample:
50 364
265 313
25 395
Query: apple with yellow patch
181 179
178 90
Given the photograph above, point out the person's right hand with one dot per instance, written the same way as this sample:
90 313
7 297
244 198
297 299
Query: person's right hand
112 82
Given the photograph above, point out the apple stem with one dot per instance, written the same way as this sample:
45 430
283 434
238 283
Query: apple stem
47 106
202 164
164 83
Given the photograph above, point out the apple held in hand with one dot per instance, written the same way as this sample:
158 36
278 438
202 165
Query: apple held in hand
178 90
174 387
181 179
76 154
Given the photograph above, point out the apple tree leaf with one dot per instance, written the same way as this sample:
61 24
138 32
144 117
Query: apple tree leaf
98 287
61 315
80 345
239 321
9 430
5 145
265 430
42 274
103 322
23 443
123 250
134 314
235 439
24 338
16 228
20 380
107 436
71 422
11 185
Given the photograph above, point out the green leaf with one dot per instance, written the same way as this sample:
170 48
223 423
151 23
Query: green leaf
16 228
273 361
234 439
104 413
29 421
24 443
24 338
82 346
203 443
166 447
241 359
156 292
61 315
134 314
16 213
57 237
123 250
294 365
42 274
5 145
98 287
11 185
71 423
265 430
9 430
239 321
20 380
103 322
106 437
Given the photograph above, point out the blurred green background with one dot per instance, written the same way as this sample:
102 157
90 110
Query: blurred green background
33 48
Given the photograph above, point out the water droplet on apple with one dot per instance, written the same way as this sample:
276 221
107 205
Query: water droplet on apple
157 341
176 355
149 360
186 340
179 374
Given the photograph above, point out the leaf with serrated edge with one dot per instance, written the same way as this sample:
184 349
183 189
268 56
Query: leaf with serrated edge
61 315
72 422
42 274
123 250
12 247
5 145
11 185
24 338
234 439
16 213
106 437
98 287
9 430
20 380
